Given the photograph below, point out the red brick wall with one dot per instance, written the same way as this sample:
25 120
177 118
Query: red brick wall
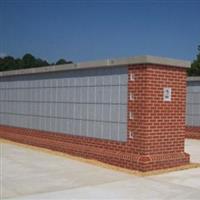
157 128
193 132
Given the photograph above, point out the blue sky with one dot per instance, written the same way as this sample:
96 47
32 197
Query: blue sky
92 30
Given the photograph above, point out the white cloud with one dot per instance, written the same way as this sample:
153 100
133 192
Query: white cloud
2 55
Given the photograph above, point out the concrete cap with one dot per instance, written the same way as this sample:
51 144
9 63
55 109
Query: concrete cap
193 78
102 63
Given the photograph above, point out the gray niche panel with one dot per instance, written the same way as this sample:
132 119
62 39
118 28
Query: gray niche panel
193 103
89 102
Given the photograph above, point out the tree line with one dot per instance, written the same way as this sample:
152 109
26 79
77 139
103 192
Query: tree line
27 61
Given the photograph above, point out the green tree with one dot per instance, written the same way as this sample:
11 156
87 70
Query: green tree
195 67
7 63
28 61
1 64
62 61
19 63
41 63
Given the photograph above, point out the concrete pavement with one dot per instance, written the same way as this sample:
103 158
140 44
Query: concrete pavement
27 173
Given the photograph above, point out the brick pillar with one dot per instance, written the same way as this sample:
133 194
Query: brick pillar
156 126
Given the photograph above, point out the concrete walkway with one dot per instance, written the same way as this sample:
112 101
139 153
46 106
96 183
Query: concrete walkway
31 174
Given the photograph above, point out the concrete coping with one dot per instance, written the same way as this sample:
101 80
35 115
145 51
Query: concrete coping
193 78
102 63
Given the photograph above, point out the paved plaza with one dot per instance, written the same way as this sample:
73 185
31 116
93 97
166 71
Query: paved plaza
29 173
